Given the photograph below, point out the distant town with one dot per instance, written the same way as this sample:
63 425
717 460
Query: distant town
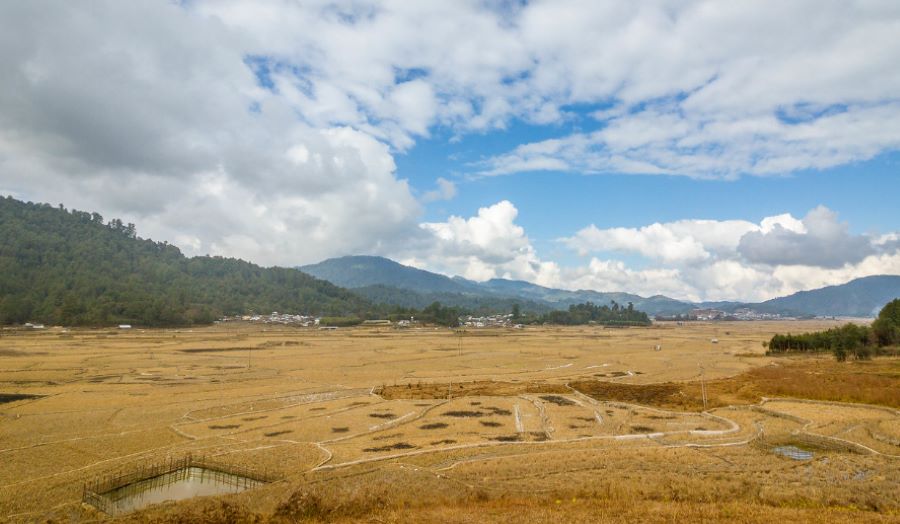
707 314
497 321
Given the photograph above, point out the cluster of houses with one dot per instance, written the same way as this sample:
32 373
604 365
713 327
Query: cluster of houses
738 314
276 318
750 314
489 321
707 314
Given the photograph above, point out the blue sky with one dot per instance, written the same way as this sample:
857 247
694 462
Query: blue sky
554 204
617 146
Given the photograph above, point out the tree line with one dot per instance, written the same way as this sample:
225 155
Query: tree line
847 341
588 312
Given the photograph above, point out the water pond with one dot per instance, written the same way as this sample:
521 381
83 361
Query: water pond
181 484
793 452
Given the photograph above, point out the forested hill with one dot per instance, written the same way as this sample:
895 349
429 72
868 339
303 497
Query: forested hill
363 271
72 268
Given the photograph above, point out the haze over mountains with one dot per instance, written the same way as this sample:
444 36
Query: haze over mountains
376 278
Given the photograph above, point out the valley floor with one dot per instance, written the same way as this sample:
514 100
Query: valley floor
579 424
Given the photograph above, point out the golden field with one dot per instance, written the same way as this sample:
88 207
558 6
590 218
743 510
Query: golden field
543 424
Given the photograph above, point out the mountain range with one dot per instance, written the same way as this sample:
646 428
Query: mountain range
381 280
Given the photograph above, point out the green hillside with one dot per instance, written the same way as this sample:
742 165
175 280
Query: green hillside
862 297
362 271
72 268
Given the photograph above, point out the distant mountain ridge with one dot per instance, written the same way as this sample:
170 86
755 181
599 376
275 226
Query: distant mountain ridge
361 271
380 279
862 297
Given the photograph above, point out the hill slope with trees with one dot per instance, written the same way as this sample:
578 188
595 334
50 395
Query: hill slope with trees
72 268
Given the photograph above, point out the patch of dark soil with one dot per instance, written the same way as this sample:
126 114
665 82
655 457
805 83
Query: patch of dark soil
383 415
17 353
642 429
15 397
340 430
559 401
661 417
445 441
288 417
250 419
398 445
276 433
224 426
463 414
507 438
475 403
539 436
213 350
358 403
490 423
434 425
498 411
318 409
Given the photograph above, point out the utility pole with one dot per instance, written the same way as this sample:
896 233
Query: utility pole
702 387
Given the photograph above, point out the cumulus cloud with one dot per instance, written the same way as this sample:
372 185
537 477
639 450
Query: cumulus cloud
488 245
694 260
734 259
825 242
155 117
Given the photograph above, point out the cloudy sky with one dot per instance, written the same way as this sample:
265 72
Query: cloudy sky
703 150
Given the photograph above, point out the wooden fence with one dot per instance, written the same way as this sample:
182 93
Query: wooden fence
96 491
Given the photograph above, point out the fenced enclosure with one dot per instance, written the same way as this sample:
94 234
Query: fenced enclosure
107 492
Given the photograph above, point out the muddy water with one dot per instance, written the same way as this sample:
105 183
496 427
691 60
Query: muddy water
178 485
793 452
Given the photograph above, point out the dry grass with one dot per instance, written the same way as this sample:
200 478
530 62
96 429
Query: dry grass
359 423
871 382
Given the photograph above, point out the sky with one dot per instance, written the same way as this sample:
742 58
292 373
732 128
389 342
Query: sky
704 150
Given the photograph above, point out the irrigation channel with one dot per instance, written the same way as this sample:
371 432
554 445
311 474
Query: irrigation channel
172 480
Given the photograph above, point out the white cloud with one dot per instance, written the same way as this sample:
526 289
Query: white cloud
614 275
823 242
445 190
151 118
488 245
267 130
694 260
734 259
